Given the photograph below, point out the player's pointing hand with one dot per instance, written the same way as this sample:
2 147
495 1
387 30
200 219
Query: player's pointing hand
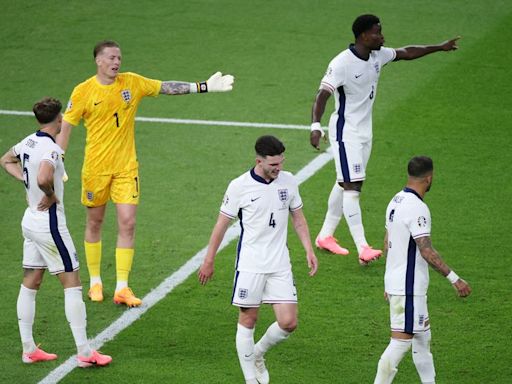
451 45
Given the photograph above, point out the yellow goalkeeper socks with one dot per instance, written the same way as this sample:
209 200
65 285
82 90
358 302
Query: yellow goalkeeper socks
124 260
93 257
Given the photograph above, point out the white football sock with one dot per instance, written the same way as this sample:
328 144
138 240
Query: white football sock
352 212
75 313
94 280
26 309
388 363
422 357
245 350
120 285
273 336
334 212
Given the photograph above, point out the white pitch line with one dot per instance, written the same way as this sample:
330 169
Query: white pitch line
171 282
188 121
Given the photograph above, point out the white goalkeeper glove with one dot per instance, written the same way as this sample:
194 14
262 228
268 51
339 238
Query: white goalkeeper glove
219 83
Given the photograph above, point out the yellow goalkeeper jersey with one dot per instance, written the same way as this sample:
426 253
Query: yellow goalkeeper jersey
109 112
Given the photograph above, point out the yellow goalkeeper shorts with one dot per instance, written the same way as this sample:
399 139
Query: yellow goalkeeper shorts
121 188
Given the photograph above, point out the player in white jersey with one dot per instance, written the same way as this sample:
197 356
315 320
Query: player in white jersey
37 162
352 78
409 252
262 198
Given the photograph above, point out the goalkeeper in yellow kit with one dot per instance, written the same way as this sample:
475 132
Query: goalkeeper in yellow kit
108 102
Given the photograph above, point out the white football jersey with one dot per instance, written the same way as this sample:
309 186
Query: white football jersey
353 82
263 209
31 151
407 218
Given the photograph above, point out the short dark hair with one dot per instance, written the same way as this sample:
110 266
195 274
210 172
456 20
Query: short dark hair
364 23
269 146
104 44
420 166
47 109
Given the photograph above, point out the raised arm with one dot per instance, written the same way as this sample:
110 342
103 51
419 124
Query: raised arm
205 272
412 52
434 259
316 116
11 164
301 227
216 83
64 135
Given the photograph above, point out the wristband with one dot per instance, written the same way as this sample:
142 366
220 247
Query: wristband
452 277
199 87
317 127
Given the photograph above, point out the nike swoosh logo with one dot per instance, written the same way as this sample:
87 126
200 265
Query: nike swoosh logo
98 102
253 200
249 355
353 215
358 76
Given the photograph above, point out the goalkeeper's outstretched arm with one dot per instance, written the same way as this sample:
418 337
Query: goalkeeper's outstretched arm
216 83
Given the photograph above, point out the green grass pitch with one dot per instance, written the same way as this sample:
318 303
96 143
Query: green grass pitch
453 106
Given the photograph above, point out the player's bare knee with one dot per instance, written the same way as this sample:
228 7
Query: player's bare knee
32 278
248 317
288 324
70 279
32 284
248 323
94 224
127 224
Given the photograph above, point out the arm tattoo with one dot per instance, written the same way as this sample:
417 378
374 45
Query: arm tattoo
175 88
431 255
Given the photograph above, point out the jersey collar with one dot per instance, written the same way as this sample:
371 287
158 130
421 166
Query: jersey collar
44 134
413 191
259 179
353 50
